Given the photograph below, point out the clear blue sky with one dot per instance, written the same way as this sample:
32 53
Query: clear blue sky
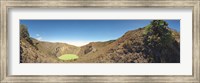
85 30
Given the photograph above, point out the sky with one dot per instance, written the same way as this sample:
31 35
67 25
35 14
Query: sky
81 32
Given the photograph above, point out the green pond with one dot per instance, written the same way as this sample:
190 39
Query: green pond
68 57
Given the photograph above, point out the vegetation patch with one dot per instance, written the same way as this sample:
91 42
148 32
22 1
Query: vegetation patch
159 43
68 57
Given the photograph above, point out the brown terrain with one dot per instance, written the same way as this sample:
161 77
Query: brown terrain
135 46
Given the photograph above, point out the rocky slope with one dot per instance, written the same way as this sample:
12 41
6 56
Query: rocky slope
55 49
134 46
34 51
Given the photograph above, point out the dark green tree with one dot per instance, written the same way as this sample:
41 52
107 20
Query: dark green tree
156 38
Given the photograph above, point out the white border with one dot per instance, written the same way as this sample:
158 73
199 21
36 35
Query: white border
183 68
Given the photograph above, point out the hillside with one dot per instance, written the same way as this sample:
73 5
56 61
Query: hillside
32 50
150 44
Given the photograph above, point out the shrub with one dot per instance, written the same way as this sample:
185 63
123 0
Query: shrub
157 34
156 37
23 31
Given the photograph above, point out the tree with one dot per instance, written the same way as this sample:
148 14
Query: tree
157 36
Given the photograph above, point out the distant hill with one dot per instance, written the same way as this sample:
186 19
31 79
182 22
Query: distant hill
155 43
